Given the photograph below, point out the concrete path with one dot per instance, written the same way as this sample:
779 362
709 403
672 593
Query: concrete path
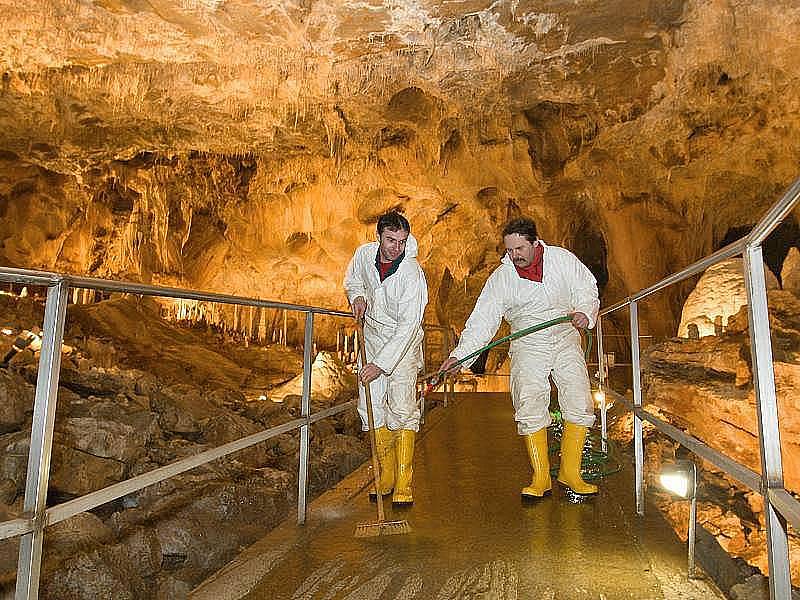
473 536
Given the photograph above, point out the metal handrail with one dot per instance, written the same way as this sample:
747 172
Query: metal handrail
740 472
775 215
778 503
15 527
786 504
37 516
10 275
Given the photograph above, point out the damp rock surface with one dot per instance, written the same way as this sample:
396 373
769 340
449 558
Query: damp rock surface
118 421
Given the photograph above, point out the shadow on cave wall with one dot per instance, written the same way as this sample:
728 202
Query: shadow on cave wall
775 247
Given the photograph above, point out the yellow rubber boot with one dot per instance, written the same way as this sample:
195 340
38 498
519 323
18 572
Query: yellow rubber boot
571 451
405 469
536 443
385 442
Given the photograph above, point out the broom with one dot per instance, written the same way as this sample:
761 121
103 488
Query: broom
381 526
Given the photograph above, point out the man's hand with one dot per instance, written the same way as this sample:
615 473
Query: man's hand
579 320
370 372
359 307
448 364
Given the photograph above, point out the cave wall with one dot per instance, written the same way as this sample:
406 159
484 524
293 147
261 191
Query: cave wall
249 149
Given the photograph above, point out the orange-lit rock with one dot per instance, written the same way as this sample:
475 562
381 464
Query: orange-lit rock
705 388
718 295
248 147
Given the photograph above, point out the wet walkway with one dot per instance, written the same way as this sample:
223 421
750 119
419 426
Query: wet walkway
473 536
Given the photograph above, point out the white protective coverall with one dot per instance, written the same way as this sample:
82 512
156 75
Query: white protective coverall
393 333
567 286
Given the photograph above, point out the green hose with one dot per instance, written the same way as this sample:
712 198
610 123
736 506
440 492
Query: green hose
595 463
517 335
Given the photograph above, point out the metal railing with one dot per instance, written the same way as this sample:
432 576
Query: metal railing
36 514
779 506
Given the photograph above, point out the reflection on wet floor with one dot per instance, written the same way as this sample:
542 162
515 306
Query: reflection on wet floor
473 536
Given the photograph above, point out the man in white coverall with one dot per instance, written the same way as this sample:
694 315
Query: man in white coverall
533 284
387 289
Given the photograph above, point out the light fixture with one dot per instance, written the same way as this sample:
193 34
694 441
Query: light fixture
680 480
599 397
602 403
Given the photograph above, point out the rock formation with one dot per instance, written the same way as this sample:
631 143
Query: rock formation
718 295
248 148
191 389
704 386
230 146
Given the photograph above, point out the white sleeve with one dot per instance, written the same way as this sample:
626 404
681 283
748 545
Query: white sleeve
411 311
583 290
353 282
484 321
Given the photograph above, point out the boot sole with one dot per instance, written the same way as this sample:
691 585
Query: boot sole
574 497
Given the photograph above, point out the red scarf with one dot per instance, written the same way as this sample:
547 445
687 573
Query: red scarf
384 269
533 271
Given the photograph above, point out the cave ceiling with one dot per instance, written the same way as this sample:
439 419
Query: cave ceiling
232 144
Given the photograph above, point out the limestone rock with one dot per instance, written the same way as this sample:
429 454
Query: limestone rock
705 388
330 381
196 539
756 587
77 534
230 427
74 472
14 448
96 574
346 451
170 588
97 381
8 491
16 401
718 295
182 408
790 273
114 422
143 549
123 438
266 412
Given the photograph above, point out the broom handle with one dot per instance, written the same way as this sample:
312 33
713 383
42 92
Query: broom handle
371 421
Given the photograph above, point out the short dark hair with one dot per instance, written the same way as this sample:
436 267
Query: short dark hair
393 220
523 226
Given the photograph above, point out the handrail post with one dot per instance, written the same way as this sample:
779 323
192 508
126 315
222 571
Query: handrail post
601 375
41 444
767 411
305 410
448 380
638 437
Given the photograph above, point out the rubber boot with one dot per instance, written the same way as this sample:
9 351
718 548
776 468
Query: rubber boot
405 468
569 473
385 445
536 443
